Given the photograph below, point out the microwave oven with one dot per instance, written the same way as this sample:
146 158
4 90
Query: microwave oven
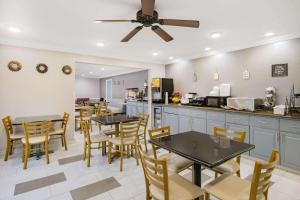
216 101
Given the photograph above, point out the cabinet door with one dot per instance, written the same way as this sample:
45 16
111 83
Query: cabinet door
129 110
140 109
185 123
146 108
264 140
211 124
289 150
172 121
199 125
237 127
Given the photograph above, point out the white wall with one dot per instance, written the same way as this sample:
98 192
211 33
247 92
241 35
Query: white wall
87 87
28 93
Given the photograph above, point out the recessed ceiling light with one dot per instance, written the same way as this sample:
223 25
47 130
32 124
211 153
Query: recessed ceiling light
155 54
14 29
91 72
171 57
102 69
100 44
98 21
269 34
207 49
215 35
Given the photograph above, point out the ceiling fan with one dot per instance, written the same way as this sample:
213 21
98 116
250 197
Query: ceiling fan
148 17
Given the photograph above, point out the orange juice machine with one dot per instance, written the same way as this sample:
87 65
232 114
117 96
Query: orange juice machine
159 88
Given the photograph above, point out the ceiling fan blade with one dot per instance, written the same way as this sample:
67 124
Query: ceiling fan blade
148 7
131 34
161 33
179 22
105 21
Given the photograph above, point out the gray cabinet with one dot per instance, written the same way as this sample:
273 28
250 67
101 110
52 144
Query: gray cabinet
171 120
211 124
140 108
237 127
290 149
264 140
146 108
199 125
185 123
131 109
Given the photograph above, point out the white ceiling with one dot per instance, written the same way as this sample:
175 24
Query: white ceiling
68 26
90 70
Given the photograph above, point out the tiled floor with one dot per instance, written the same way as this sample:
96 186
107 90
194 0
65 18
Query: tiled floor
286 185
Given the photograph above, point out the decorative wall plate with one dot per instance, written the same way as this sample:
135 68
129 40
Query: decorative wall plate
14 66
67 70
42 68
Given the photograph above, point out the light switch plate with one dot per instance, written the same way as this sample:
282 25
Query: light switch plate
216 76
246 75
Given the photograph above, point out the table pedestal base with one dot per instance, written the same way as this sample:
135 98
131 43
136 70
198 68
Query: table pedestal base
197 175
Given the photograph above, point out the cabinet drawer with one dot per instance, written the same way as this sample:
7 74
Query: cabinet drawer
218 116
212 124
170 110
192 112
264 122
237 118
290 126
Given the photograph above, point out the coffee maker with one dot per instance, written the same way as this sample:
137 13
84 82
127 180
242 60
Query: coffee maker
159 87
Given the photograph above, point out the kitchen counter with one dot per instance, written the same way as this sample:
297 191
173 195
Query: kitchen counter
258 112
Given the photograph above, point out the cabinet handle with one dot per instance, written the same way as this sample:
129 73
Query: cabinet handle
295 127
277 139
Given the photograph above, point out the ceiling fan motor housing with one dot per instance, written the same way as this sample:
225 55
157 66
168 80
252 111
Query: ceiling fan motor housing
147 20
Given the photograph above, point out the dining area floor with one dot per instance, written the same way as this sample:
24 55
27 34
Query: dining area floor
67 177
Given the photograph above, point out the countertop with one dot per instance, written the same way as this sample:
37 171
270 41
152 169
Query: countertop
258 112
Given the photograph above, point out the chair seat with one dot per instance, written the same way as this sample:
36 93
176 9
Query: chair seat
16 136
35 140
126 141
59 131
98 138
86 118
176 163
230 166
179 189
229 187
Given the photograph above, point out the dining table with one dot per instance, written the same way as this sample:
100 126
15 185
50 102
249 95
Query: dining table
203 149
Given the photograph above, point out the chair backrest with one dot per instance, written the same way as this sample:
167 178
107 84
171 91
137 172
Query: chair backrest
129 130
144 120
86 113
239 136
86 131
65 121
8 126
155 172
34 129
157 134
102 110
262 176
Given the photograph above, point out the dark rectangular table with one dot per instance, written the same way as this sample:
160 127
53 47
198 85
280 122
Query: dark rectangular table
203 149
53 118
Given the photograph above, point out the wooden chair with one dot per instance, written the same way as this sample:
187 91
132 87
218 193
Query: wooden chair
90 141
176 163
233 165
162 186
11 136
85 115
62 131
230 187
102 112
143 129
36 133
127 138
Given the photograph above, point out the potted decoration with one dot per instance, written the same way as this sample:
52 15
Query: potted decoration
176 96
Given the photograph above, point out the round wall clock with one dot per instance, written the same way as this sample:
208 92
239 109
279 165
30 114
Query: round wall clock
42 68
67 69
14 66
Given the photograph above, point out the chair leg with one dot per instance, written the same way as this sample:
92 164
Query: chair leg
121 157
216 175
136 154
145 141
238 173
62 141
207 196
23 152
109 152
89 155
11 148
27 151
47 152
65 142
84 150
7 150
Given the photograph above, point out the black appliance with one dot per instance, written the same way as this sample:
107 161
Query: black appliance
157 117
197 101
159 88
216 101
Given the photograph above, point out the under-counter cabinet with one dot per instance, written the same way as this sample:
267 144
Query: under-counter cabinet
139 107
214 119
131 109
290 143
264 134
170 119
185 123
